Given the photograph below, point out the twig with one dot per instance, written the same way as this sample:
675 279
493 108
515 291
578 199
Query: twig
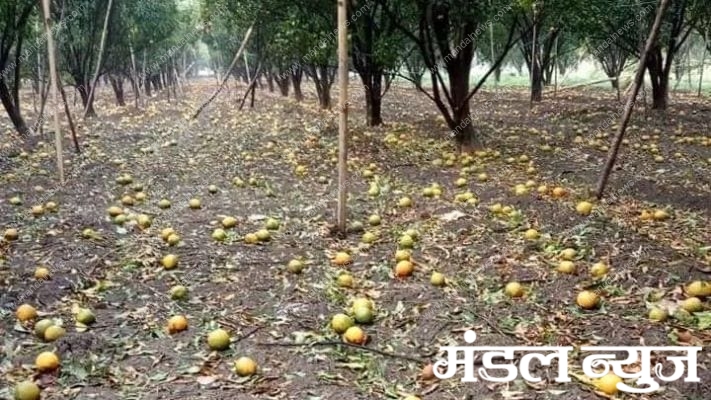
493 325
338 343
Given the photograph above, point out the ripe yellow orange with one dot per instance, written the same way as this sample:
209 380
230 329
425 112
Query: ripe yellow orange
165 233
251 238
345 280
588 300
568 254
531 234
566 267
26 312
599 269
402 255
245 366
437 279
10 234
608 384
559 192
194 204
170 261
354 335
699 289
114 211
177 324
229 222
427 372
342 258
47 361
692 304
41 273
404 268
513 289
584 208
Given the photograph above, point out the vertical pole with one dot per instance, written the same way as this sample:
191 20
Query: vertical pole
53 77
533 53
343 121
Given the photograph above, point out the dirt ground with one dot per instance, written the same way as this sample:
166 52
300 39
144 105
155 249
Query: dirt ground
284 153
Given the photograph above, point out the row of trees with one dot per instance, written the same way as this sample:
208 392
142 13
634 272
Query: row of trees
437 41
149 44
153 45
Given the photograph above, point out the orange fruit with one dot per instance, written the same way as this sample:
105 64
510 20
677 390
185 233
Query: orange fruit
177 323
245 366
404 268
26 312
342 258
354 335
608 384
47 361
588 300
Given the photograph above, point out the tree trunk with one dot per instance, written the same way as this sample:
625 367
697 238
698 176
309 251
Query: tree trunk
373 96
12 110
536 83
323 79
147 85
614 82
270 81
99 63
282 81
117 85
134 80
461 118
84 94
659 78
296 75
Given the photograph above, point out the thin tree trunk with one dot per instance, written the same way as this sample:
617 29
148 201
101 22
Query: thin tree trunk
39 124
491 45
53 77
555 65
535 94
251 87
99 60
68 112
134 78
629 107
39 73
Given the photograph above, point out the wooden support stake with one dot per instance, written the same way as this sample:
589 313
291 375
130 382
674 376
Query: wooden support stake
53 83
343 121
